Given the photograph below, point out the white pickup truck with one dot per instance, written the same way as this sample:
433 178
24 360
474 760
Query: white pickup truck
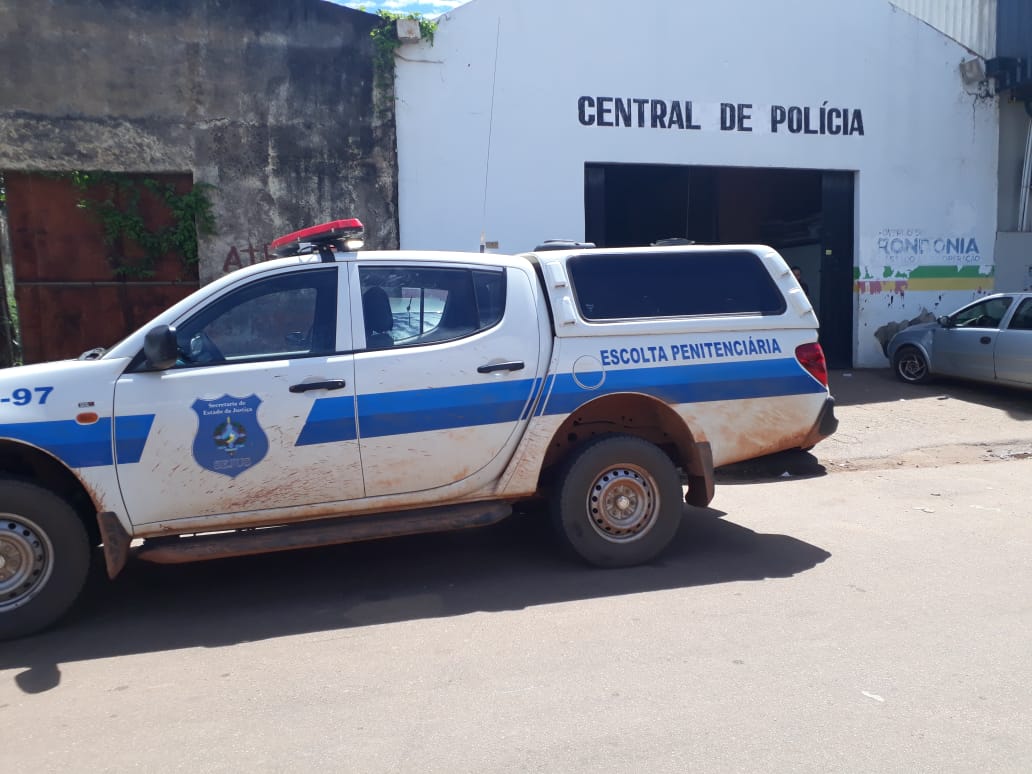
346 395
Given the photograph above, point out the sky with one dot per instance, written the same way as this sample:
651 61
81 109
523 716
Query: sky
429 8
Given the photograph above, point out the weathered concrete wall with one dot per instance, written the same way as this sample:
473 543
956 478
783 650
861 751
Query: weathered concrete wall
271 101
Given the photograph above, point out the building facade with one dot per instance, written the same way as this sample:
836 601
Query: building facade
852 137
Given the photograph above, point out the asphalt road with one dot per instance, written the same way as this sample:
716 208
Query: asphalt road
866 607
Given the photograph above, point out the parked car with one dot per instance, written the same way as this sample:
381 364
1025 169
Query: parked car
989 340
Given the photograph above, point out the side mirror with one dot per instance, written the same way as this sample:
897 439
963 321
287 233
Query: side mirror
945 322
161 348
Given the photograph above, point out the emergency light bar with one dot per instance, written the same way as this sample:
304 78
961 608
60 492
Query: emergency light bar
324 239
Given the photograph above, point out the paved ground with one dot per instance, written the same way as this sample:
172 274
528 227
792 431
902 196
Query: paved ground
870 611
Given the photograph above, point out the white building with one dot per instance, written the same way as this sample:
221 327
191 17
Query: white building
846 134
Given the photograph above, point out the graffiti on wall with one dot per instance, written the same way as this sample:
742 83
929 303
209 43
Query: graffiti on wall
238 258
901 260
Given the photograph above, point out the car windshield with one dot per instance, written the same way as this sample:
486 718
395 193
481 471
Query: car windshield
984 314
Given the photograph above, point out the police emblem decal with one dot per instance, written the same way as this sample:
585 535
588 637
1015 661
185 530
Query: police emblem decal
229 439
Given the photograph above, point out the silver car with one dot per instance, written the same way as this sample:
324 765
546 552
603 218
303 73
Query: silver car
989 340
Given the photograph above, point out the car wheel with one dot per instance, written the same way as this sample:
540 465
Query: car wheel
44 558
910 365
618 502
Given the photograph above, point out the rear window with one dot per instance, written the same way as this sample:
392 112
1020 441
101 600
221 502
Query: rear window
673 284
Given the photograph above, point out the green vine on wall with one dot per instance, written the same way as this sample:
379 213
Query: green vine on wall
385 39
113 199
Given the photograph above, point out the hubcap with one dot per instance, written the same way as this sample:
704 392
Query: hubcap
911 367
623 503
25 564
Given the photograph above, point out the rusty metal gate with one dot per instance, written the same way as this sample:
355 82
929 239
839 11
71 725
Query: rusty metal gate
68 296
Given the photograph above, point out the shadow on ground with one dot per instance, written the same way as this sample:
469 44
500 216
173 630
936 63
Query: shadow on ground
511 566
786 465
879 385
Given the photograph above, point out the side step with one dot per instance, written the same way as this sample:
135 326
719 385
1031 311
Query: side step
351 529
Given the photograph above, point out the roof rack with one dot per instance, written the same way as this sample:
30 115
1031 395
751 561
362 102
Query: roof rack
563 244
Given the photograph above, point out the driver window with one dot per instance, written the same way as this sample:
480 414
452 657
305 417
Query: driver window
985 314
289 315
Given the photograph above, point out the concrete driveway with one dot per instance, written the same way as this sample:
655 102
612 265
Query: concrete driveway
868 611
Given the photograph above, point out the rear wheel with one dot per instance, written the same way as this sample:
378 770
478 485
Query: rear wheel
44 558
618 501
910 365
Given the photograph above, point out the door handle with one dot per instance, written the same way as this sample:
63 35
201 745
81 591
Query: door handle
332 384
511 365
985 340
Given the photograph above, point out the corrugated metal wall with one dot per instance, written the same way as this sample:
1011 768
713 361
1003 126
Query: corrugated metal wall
1015 35
972 23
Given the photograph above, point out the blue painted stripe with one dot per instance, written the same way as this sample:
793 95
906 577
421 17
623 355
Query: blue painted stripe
415 411
412 411
85 446
692 383
131 435
330 420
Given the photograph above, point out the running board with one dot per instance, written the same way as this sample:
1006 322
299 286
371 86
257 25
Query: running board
352 529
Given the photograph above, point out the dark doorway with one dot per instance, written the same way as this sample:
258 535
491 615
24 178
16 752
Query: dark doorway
806 215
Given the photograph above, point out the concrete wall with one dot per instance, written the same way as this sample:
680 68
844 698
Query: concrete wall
1014 261
271 101
490 137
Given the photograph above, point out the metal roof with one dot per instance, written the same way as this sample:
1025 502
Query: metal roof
972 23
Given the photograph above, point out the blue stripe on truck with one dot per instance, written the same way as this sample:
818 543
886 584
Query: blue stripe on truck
86 446
442 408
691 383
445 408
331 420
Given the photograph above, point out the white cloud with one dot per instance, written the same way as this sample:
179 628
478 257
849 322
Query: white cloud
425 7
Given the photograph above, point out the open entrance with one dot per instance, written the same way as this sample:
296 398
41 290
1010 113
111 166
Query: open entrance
806 215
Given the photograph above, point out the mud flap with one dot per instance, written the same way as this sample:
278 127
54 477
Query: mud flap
701 486
116 542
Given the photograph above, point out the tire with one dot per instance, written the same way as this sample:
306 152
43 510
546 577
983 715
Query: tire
910 365
618 501
44 558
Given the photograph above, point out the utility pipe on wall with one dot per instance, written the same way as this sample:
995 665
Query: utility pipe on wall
1025 196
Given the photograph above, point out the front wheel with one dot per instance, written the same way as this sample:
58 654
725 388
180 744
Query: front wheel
44 558
910 365
618 501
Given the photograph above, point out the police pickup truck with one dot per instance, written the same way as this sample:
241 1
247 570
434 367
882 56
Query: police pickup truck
339 395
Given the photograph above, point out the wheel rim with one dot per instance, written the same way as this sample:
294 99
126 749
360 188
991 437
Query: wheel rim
623 503
912 366
25 560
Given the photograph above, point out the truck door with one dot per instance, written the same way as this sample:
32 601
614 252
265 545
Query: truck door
447 373
259 411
